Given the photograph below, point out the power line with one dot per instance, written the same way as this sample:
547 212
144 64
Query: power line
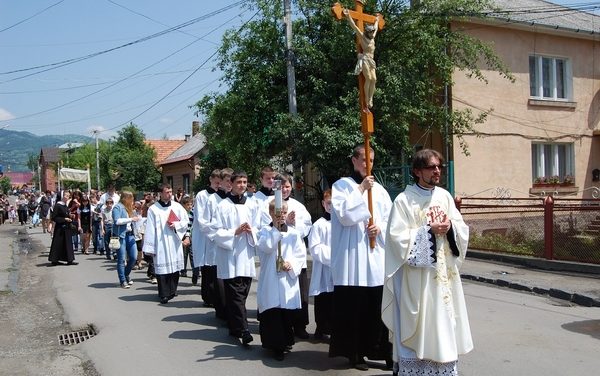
63 63
30 17
182 82
128 77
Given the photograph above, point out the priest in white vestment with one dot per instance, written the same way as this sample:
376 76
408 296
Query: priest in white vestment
423 302
166 225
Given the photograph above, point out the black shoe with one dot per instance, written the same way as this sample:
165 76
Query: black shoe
301 333
54 263
72 263
194 280
278 355
164 300
183 274
320 336
360 364
246 337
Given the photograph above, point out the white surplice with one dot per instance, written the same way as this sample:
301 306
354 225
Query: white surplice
423 302
319 245
209 226
235 253
200 241
353 262
163 243
279 289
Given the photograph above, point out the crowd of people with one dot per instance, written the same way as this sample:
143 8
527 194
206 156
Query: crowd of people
384 276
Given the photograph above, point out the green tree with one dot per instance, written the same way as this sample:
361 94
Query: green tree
85 156
32 165
131 161
417 54
5 185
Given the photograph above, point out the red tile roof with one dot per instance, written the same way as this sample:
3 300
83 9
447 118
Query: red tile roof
164 148
19 178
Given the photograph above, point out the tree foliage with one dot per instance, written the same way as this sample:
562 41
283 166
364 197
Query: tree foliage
126 161
5 185
417 54
131 162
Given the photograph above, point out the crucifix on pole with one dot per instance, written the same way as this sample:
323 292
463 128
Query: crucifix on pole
365 69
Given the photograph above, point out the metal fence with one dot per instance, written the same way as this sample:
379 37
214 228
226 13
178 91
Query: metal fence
551 228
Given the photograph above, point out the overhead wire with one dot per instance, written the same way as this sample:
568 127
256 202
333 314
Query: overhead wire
182 82
32 16
66 62
125 78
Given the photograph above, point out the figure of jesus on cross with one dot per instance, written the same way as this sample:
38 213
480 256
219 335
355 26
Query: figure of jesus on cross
365 68
365 41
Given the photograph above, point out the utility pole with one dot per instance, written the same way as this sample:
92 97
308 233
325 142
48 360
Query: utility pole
291 81
96 132
289 53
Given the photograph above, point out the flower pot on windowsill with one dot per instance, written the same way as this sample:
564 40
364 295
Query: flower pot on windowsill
552 185
553 188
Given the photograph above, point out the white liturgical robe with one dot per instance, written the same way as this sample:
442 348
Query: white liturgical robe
353 262
162 242
235 253
279 289
200 240
423 302
319 245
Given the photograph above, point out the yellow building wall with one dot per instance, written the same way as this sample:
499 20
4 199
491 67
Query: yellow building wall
501 155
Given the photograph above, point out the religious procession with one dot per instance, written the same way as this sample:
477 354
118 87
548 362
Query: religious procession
383 276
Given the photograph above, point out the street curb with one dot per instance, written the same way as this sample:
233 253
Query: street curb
579 299
536 263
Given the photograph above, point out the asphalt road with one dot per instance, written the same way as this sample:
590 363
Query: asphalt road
514 333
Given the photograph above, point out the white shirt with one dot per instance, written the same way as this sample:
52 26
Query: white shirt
353 262
279 289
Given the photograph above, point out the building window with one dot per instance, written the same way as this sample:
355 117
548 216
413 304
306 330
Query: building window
549 78
170 181
186 183
552 161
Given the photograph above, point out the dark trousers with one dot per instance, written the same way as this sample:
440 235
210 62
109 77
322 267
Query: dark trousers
236 293
167 285
323 312
97 237
107 235
150 264
188 254
213 290
276 328
358 329
301 317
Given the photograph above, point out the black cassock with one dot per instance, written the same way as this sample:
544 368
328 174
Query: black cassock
61 248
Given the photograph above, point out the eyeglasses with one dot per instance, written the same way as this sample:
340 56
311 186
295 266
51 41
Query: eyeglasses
433 167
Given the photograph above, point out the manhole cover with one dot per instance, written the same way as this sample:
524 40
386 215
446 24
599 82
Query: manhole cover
76 337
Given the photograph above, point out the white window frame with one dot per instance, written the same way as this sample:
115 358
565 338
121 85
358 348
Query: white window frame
539 84
539 160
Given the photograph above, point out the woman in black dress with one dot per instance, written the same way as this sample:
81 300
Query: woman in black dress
85 223
61 248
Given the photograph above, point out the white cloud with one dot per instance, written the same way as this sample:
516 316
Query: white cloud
5 115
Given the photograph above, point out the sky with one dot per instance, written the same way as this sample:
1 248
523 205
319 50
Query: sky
85 66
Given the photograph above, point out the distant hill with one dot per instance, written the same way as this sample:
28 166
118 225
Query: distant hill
16 146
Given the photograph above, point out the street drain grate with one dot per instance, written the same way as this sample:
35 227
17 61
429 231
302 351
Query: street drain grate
76 337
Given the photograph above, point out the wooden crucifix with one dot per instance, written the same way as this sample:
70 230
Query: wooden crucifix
365 47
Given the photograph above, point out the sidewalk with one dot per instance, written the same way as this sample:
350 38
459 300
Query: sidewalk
574 282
